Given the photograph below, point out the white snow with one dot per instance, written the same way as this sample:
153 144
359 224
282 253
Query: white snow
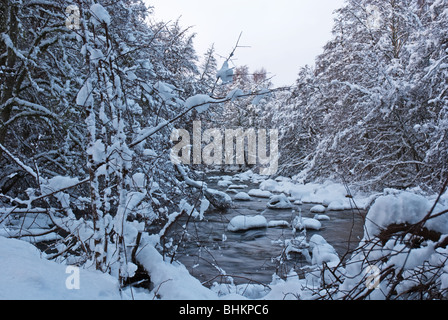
172 281
235 94
99 14
279 202
260 96
322 251
400 208
300 223
225 73
260 193
339 205
84 97
27 276
242 196
243 223
278 223
58 183
224 183
269 185
318 209
322 217
200 102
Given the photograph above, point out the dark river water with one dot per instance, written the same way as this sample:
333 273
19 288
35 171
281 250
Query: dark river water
209 251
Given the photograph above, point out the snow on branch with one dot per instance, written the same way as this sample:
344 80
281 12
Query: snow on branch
26 168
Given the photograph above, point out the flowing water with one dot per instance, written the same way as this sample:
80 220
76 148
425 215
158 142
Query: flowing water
208 250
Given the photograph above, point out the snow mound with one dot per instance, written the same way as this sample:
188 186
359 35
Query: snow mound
224 183
339 205
237 186
27 276
278 223
402 208
318 209
260 193
279 202
307 224
322 251
269 185
243 223
242 196
322 217
171 281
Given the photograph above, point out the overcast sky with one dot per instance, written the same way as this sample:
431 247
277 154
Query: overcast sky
282 35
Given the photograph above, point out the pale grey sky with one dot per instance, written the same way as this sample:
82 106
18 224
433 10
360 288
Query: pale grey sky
283 35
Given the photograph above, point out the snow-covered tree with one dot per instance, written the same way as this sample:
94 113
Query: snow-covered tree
380 88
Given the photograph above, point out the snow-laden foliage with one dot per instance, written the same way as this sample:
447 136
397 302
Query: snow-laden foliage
373 110
88 97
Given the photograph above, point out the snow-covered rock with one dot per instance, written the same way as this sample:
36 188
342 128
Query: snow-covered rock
224 183
307 224
279 202
322 217
318 209
243 223
220 200
278 223
260 193
322 251
237 186
242 196
269 185
338 205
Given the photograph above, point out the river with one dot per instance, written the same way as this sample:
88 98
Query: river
209 251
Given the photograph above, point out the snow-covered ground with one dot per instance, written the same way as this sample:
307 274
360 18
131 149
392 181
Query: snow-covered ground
26 274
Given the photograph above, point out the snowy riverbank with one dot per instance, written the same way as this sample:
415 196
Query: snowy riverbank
26 274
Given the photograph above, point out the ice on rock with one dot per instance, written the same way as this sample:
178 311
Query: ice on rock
279 202
243 223
220 200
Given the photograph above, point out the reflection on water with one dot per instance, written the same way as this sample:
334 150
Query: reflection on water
209 251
